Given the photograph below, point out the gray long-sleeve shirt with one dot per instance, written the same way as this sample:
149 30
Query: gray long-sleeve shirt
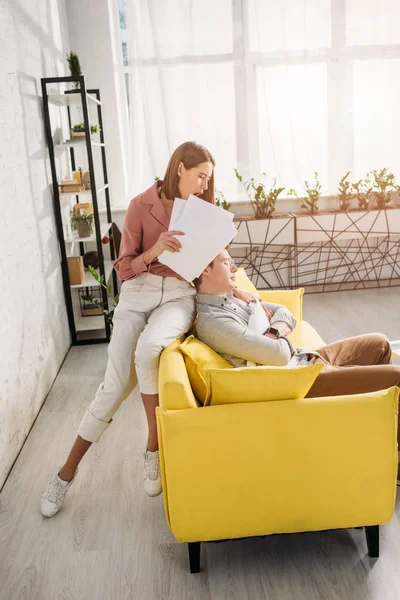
223 324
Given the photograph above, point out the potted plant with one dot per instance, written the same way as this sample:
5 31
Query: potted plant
74 67
310 201
345 193
109 314
78 131
262 200
221 201
383 183
82 223
363 190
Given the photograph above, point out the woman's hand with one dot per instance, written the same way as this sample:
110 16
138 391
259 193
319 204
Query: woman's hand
245 296
167 241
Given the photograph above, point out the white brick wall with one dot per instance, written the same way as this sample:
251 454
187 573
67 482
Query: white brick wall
33 322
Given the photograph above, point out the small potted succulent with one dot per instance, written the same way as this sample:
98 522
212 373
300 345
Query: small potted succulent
78 131
82 223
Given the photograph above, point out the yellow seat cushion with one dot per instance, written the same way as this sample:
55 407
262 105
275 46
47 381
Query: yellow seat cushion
292 299
199 358
259 384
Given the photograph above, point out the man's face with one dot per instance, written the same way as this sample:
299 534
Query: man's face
222 273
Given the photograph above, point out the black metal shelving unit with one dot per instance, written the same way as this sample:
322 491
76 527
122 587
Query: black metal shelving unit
77 323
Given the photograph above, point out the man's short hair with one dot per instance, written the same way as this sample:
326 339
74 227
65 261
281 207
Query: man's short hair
198 280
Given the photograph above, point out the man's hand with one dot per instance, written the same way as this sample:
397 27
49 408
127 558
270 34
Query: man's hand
245 296
283 328
272 336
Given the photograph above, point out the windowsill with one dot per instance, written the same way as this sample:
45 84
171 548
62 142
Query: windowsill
243 208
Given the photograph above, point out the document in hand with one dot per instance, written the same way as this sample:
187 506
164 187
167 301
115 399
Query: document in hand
208 230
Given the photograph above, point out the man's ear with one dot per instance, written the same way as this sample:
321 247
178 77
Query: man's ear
206 272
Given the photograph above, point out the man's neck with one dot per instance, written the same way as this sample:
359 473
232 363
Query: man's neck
210 292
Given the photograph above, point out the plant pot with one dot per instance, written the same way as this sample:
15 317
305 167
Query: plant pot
278 230
84 229
78 135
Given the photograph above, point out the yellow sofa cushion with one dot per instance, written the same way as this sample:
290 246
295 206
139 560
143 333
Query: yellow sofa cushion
292 299
259 384
199 358
243 282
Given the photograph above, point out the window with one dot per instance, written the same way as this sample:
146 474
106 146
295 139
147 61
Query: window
284 87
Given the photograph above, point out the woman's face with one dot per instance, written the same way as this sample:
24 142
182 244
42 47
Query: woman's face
194 181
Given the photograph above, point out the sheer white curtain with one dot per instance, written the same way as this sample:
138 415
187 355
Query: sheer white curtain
284 86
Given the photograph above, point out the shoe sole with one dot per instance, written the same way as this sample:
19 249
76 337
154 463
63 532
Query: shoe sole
152 494
48 516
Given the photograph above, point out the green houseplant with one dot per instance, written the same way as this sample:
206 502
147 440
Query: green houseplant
109 314
74 66
82 223
78 131
221 201
263 200
383 183
310 201
346 194
363 191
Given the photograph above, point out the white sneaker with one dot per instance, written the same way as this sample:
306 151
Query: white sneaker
152 474
54 495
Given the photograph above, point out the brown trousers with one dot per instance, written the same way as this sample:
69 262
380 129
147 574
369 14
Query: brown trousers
355 365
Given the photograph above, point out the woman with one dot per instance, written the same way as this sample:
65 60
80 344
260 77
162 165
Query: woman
156 306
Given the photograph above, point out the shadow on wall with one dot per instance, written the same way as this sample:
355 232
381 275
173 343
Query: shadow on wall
38 336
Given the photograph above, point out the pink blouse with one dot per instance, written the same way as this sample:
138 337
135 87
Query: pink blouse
145 220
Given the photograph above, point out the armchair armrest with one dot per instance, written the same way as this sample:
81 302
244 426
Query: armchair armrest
305 336
174 387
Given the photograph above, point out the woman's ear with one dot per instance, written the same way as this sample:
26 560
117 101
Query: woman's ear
181 167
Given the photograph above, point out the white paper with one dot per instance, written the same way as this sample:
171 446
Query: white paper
179 206
208 230
258 320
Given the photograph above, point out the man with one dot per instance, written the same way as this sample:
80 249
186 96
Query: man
257 332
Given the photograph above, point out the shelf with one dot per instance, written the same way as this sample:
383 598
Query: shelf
104 228
81 144
89 280
89 329
90 323
70 99
85 193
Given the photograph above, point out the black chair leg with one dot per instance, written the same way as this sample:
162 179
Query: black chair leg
372 535
194 556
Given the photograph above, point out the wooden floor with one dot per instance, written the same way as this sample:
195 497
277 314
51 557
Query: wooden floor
111 542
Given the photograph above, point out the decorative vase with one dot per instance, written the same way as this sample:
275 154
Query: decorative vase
84 229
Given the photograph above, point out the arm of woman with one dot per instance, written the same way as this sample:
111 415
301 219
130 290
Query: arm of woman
131 260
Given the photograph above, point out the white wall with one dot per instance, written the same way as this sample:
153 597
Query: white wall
92 24
33 321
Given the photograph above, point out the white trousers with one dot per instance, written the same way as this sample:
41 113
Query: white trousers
152 312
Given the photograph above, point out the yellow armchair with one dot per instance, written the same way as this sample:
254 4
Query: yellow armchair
260 468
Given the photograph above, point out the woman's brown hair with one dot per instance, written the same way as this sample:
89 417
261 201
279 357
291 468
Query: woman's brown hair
190 154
